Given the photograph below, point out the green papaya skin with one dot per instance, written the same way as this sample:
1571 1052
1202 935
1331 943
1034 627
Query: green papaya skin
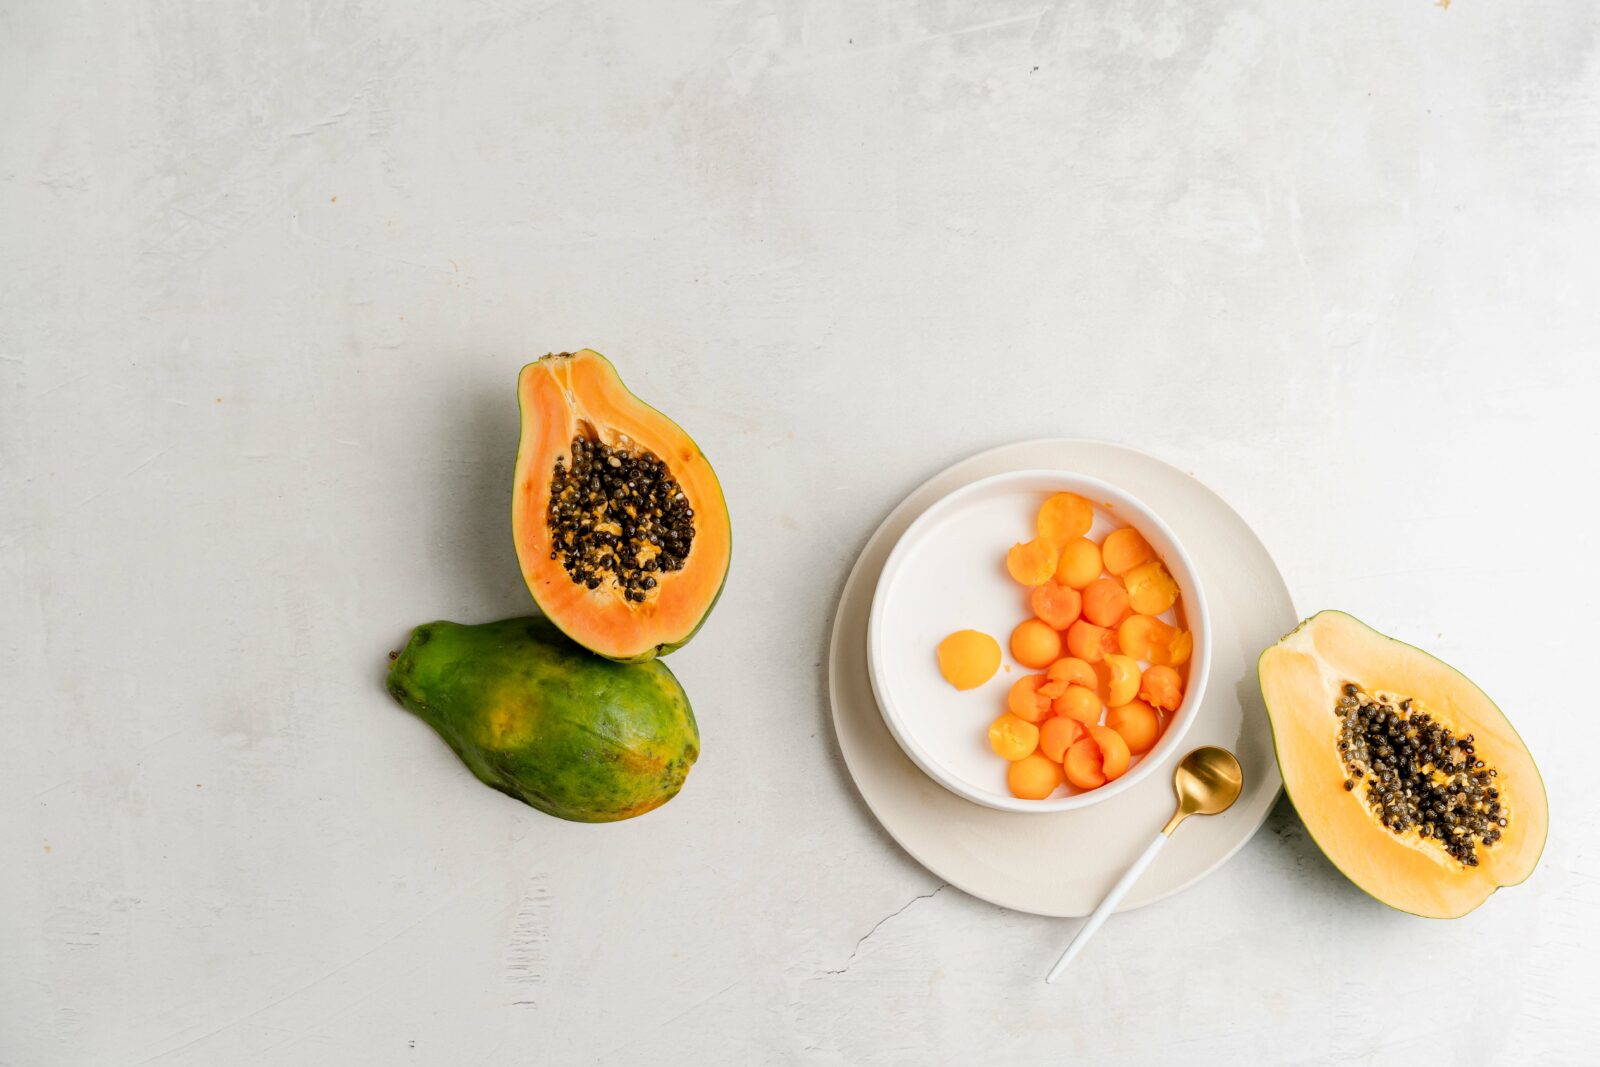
537 717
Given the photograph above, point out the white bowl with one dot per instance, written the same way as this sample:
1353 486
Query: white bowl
948 573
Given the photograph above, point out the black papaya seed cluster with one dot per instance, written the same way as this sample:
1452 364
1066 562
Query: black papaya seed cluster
617 517
1417 774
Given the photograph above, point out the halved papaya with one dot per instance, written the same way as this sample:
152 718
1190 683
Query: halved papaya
1405 773
621 528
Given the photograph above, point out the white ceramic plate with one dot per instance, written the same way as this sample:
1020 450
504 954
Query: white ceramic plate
1062 863
946 573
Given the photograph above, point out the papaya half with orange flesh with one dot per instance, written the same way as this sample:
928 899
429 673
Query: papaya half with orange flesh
1405 773
620 524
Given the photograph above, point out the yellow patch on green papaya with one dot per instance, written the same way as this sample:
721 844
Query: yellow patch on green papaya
508 724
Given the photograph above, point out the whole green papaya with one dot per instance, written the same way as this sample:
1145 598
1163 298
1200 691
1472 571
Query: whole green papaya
538 718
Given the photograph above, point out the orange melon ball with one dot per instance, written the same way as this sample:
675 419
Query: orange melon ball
1180 648
1073 671
1025 701
1057 735
1137 723
1123 550
1033 777
1078 703
1065 517
1079 563
1055 605
1089 642
968 658
1151 590
1114 752
1082 765
1161 687
1032 562
1145 637
1012 738
1034 644
1122 678
1105 602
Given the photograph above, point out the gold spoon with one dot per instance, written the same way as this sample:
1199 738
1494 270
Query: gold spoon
1207 782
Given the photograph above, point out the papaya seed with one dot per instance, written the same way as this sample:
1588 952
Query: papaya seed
1423 776
615 515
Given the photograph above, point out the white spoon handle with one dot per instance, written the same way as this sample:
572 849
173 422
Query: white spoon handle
1107 906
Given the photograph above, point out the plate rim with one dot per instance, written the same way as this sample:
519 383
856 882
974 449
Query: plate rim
836 638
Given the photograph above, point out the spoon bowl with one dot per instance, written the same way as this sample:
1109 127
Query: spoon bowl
1207 782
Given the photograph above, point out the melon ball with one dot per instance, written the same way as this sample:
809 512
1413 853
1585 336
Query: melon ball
968 658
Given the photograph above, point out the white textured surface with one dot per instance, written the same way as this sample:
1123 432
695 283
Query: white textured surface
269 270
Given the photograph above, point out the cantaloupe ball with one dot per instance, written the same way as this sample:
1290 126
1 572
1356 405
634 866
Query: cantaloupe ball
1012 738
1078 703
1079 563
968 658
1082 765
1089 642
1153 641
1033 777
1024 699
1057 734
1151 590
1055 605
1122 678
1105 602
1161 687
1124 549
1032 562
1065 517
1073 671
1138 725
1146 638
1034 644
1114 753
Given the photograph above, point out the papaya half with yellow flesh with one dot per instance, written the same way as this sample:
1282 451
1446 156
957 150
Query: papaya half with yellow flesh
620 524
1406 775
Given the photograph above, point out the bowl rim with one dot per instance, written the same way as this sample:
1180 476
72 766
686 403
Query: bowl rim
1124 507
